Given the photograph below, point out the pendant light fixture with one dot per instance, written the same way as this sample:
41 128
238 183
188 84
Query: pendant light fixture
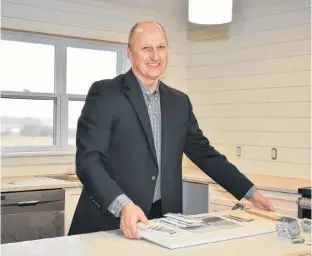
210 12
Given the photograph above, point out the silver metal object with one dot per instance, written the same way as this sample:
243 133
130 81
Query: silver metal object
288 227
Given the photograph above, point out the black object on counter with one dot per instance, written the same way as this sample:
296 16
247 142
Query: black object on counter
304 212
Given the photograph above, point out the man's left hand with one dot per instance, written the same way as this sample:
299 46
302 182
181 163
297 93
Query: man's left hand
260 202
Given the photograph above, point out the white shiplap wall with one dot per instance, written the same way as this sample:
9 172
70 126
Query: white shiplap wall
86 19
251 86
95 20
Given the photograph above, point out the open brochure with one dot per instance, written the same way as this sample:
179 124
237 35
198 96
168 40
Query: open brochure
176 230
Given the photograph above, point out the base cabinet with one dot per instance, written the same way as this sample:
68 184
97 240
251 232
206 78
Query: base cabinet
72 196
221 200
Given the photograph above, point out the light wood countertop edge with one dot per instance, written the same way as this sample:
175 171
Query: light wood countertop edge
265 182
195 175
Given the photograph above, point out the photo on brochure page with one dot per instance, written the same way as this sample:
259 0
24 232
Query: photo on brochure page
165 230
197 224
219 222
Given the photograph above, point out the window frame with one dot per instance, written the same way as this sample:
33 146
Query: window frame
59 96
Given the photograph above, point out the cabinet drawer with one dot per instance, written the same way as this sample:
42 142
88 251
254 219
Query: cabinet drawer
215 189
221 194
278 204
280 195
287 212
284 204
218 195
225 201
217 208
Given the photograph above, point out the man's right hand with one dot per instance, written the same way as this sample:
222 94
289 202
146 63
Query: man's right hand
130 215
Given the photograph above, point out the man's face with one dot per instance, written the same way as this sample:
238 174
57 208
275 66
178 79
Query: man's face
149 51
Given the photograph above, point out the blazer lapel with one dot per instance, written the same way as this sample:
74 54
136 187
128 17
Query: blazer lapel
165 122
134 93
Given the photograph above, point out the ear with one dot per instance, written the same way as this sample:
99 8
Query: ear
129 53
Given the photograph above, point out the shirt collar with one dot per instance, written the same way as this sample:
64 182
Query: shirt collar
145 90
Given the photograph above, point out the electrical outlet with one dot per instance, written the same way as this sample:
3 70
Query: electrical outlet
274 153
238 151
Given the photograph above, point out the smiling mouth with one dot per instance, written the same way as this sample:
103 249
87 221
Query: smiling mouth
153 64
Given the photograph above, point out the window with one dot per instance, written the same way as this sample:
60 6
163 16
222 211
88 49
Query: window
74 110
27 67
85 66
27 122
44 83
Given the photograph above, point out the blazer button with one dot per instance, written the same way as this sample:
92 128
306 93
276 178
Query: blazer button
154 178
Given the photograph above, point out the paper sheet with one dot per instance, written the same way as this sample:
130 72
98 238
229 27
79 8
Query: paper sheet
177 231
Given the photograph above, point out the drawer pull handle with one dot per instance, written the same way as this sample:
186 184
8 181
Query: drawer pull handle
27 203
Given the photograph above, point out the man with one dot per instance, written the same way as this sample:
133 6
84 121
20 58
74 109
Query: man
131 136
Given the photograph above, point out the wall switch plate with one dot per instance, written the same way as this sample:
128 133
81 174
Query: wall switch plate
274 153
238 151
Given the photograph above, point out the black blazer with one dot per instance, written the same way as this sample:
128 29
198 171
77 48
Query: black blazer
116 153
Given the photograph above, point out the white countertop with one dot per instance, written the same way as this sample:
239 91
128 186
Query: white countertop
11 184
114 243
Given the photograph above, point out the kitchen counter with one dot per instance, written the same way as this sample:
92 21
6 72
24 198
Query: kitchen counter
114 243
273 183
265 182
10 184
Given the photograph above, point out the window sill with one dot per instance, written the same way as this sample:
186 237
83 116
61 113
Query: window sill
38 153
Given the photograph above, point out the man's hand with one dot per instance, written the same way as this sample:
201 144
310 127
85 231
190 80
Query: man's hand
260 202
130 215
